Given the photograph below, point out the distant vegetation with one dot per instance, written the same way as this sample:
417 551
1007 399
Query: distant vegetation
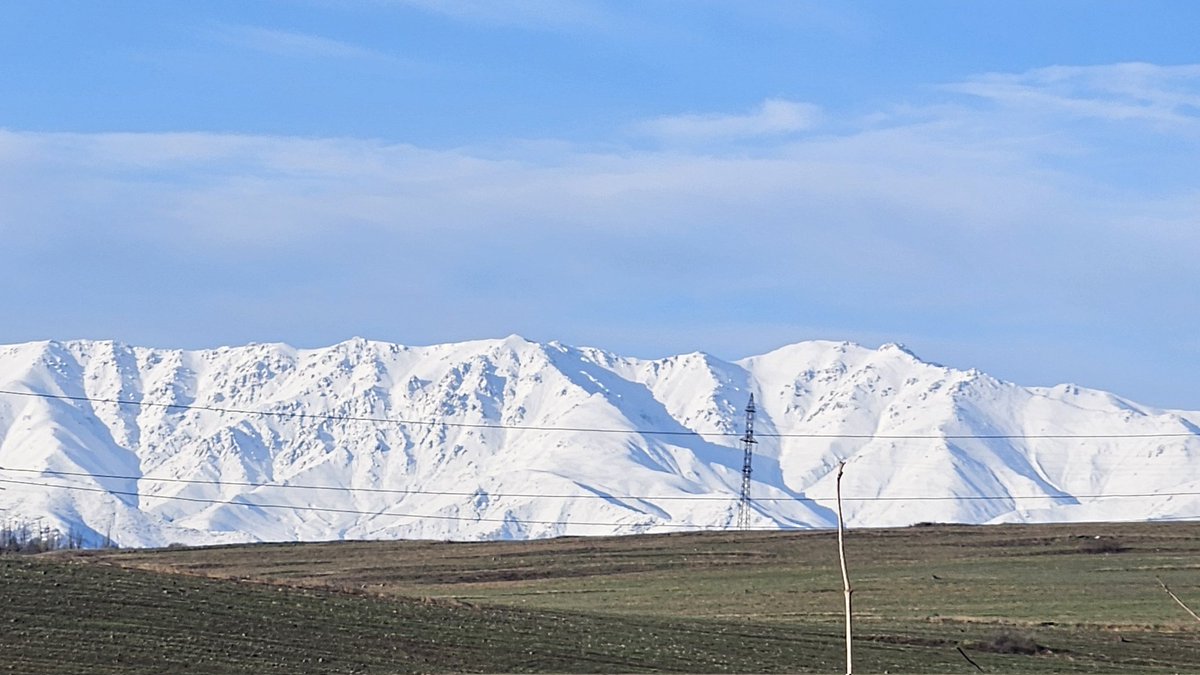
24 536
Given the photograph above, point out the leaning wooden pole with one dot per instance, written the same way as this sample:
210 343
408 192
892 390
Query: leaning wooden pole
845 576
1176 599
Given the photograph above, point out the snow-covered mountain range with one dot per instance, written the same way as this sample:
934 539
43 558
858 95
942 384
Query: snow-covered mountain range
269 442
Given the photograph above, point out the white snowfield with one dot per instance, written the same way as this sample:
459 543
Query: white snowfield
351 445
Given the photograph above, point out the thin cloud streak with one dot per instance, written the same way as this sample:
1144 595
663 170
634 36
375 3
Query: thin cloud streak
774 117
1165 95
553 15
294 44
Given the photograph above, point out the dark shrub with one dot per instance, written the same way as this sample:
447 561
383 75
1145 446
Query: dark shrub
1010 642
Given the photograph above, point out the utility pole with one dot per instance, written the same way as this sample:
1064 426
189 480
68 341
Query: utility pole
747 464
846 590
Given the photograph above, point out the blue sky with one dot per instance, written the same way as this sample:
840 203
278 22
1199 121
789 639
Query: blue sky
1010 186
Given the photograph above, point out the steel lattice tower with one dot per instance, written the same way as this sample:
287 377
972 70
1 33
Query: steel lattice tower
747 464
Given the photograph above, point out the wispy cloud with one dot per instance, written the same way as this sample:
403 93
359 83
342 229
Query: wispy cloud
774 117
534 14
299 45
1163 95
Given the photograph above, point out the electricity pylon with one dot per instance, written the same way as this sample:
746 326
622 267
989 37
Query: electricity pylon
747 464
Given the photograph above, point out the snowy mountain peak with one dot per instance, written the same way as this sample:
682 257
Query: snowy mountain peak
513 438
897 347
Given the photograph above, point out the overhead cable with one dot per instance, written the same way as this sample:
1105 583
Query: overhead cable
285 414
354 512
647 498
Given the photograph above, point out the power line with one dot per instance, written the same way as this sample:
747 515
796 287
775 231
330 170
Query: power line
594 430
355 512
342 488
323 509
649 498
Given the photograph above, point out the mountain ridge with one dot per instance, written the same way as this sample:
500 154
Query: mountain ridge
923 442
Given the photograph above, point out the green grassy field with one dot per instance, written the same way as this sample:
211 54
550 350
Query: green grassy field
1066 598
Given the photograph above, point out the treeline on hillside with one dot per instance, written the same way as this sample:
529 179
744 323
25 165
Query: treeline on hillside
23 536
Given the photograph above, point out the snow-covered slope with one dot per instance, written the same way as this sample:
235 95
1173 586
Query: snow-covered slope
268 442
